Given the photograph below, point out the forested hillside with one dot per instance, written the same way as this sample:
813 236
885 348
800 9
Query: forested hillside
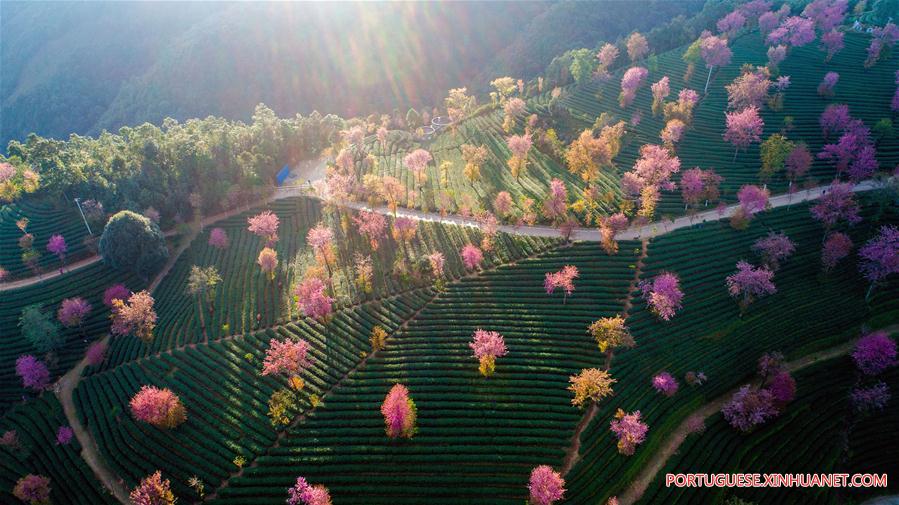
198 59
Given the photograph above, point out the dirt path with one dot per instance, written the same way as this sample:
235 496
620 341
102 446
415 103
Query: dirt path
89 450
573 453
676 438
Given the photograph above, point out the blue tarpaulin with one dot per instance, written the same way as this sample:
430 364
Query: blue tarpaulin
282 174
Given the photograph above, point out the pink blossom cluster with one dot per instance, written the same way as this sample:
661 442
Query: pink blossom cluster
218 238
399 412
880 255
663 295
64 435
837 246
72 311
303 493
631 81
33 489
753 199
437 262
837 205
154 405
472 256
630 430
563 279
744 127
96 353
714 50
519 145
749 407
750 283
731 23
57 245
665 383
289 357
33 372
312 300
372 226
874 353
774 248
795 31
488 344
265 225
116 292
828 83
545 486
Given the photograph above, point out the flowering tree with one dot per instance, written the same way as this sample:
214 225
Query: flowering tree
697 185
827 14
436 260
303 493
608 228
153 490
160 407
673 132
137 316
773 249
750 283
268 262
555 206
836 247
472 256
115 292
880 256
399 413
743 128
795 31
33 489
513 109
748 408
715 53
660 90
882 37
874 353
610 333
798 162
487 346
57 245
64 435
665 383
749 89
474 157
33 372
853 152
631 81
663 295
655 166
312 300
630 430
563 279
265 225
545 486
753 199
372 226
776 54
218 238
731 23
837 206
502 204
828 83
72 311
519 146
287 357
783 389
320 238
591 385
607 55
637 46
832 43
834 119
96 353
869 399
417 161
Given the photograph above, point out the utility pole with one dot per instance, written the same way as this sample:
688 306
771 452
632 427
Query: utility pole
78 203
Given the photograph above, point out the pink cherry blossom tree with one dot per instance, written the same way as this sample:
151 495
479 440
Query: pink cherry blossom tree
832 43
321 238
795 31
798 162
665 383
563 279
73 311
312 300
776 54
472 256
607 55
637 46
372 226
545 486
660 90
632 80
748 408
836 206
874 353
136 316
417 161
730 24
836 247
487 346
158 406
715 53
64 435
502 204
33 489
33 372
218 238
834 119
749 283
663 295
743 128
630 430
303 493
773 249
519 146
265 225
115 292
880 256
153 490
286 357
555 206
399 413
57 245
828 83
96 353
